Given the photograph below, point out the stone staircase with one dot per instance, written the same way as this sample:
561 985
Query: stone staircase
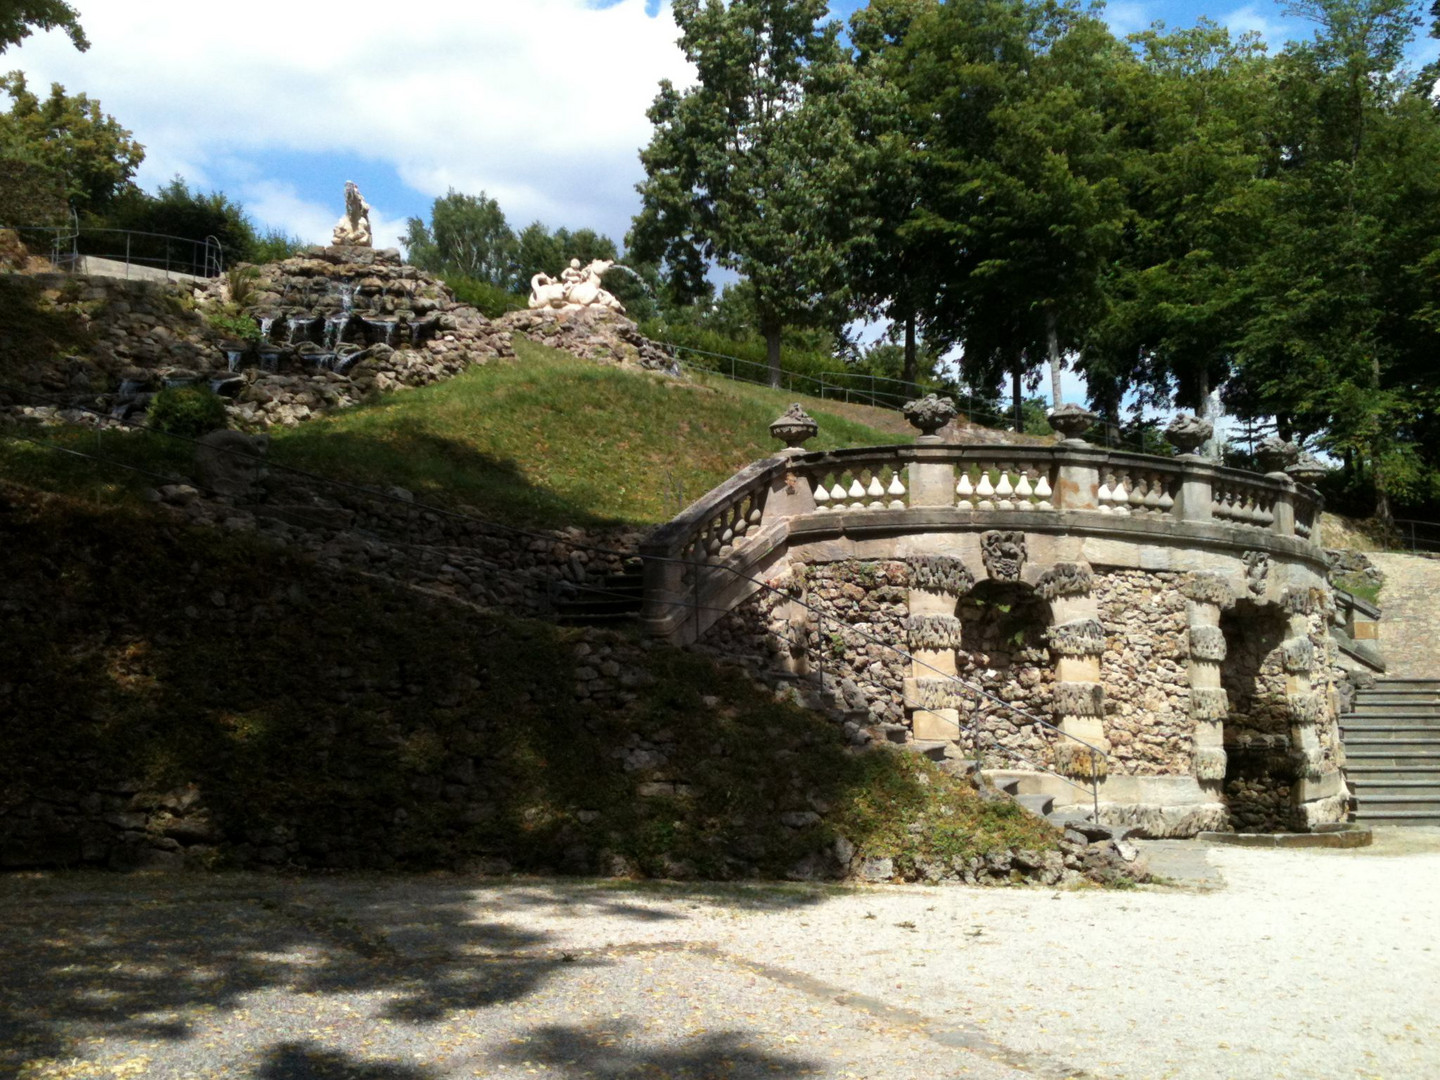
615 599
1392 743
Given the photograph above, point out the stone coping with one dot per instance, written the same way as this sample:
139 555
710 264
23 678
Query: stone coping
1340 835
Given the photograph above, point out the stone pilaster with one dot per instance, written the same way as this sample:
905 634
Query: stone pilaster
1077 638
1206 597
936 584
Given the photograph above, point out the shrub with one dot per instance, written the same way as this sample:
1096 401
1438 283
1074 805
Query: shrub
188 411
490 300
241 327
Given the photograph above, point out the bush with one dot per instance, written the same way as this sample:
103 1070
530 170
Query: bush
188 411
241 327
490 300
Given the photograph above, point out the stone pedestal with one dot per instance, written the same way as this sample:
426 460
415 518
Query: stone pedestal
1077 639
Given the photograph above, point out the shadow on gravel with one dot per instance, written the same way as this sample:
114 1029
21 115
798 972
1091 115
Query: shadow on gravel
304 1061
584 1052
134 960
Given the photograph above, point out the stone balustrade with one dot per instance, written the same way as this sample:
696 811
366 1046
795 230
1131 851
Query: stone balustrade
928 488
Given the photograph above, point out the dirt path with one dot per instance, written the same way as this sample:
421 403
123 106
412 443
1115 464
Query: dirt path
1304 964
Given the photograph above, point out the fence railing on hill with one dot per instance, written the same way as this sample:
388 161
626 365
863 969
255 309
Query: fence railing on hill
73 248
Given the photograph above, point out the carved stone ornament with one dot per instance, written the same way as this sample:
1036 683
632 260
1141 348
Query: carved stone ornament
1257 571
353 228
1308 470
1072 421
1083 637
1187 433
1209 703
930 413
1209 763
1298 656
1306 708
1004 554
932 694
1298 601
1078 699
933 633
940 574
794 427
1276 455
1207 643
577 287
1207 588
1065 579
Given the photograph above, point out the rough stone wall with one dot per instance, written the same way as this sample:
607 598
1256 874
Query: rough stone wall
1003 653
1144 670
340 324
1257 728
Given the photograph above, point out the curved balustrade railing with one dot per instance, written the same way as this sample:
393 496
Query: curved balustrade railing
1070 485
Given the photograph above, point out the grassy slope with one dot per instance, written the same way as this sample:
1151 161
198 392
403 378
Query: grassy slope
292 695
548 440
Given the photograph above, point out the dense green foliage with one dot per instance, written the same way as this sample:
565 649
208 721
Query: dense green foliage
187 411
20 18
1173 214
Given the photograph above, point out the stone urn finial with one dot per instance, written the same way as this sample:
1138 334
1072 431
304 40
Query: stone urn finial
1072 421
930 413
794 427
1188 432
1308 470
1276 455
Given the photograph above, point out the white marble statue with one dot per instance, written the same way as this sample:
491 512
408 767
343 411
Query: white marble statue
578 287
353 228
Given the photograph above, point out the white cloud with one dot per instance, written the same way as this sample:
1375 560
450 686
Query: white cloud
540 103
1275 32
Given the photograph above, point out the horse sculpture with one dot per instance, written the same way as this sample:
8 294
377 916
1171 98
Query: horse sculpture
577 288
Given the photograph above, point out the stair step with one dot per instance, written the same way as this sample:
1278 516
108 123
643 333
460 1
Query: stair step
1422 719
1366 790
1399 817
1391 732
1363 769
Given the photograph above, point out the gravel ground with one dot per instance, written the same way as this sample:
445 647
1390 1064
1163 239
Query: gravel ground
1261 963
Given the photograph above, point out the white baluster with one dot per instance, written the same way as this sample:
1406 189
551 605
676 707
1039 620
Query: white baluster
1024 488
876 491
822 497
837 496
965 489
1105 497
1137 493
896 491
857 494
1120 497
1005 489
1043 493
985 490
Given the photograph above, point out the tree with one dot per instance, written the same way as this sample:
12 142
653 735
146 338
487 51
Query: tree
72 136
20 18
175 210
1022 205
751 167
1198 163
467 235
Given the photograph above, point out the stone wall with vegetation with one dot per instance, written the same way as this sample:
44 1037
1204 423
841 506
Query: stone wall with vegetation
201 697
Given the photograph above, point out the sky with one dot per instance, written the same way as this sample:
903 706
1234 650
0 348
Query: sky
538 103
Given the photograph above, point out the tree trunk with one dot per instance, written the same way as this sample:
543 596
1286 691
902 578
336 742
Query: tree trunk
1016 374
1052 339
772 352
907 373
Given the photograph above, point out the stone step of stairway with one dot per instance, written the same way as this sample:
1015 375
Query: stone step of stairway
1398 817
1358 721
1394 804
1416 733
1378 787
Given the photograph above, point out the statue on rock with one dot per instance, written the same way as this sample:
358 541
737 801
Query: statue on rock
578 287
353 228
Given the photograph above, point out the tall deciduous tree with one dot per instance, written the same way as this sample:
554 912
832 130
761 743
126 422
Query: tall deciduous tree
750 167
467 235
72 136
20 18
1022 202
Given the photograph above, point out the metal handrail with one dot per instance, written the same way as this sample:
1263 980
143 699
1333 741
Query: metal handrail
207 256
1417 542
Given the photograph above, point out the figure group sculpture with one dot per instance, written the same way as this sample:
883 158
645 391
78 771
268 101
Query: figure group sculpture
353 228
578 287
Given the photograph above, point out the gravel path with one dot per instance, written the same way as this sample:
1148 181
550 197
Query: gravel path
1271 963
